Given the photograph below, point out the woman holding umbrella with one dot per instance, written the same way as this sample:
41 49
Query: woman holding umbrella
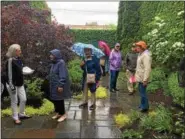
104 61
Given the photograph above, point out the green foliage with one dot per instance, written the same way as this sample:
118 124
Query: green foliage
93 36
42 5
112 26
159 120
45 109
34 88
175 90
122 119
101 93
158 80
179 125
75 72
129 134
134 115
160 24
128 23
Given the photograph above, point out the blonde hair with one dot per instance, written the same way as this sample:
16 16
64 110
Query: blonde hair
12 50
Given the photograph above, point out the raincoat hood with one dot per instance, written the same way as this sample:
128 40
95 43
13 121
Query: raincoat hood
56 53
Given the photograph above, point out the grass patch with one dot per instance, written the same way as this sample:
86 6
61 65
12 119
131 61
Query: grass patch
159 120
132 134
45 109
101 93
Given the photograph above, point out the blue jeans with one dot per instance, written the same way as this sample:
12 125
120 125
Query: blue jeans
144 99
113 79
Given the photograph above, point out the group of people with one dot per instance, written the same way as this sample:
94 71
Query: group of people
137 65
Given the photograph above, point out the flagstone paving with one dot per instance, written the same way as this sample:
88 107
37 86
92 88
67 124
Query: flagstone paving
81 123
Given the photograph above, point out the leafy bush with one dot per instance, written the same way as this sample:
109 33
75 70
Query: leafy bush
34 88
150 21
158 79
75 72
93 36
45 109
175 90
129 134
101 93
179 125
134 115
30 28
159 120
122 119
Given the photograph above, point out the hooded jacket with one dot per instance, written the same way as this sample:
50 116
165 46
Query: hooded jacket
59 77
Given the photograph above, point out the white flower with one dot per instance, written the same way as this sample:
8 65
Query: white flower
178 44
160 24
180 13
154 31
157 18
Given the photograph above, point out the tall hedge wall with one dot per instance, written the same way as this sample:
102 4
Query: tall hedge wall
159 23
93 36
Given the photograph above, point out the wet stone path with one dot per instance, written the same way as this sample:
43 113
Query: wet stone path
81 123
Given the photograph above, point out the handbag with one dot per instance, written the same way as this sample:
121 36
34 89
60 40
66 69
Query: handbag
90 79
102 62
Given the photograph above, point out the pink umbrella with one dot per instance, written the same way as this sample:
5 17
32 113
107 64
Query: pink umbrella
104 45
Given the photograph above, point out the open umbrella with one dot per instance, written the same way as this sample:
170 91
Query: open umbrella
78 48
105 46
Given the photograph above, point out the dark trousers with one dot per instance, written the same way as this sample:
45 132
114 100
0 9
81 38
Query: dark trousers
59 106
113 78
103 68
144 99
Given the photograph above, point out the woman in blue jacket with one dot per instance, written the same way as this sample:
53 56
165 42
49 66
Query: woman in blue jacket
90 65
59 84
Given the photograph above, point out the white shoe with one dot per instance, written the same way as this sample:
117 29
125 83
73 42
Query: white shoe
62 118
56 116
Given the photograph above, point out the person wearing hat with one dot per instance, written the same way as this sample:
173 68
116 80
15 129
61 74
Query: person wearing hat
143 70
115 60
131 61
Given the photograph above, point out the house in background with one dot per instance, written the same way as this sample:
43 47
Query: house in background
91 25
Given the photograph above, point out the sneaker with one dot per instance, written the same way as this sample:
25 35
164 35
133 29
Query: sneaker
62 118
112 91
92 107
131 93
24 116
144 110
116 89
83 105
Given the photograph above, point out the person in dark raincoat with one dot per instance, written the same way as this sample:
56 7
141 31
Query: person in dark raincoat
91 64
59 84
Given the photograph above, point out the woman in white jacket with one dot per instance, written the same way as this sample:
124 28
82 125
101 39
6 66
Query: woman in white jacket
143 70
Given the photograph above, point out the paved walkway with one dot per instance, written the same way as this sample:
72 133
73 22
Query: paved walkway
80 123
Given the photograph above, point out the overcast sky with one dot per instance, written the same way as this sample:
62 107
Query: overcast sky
78 13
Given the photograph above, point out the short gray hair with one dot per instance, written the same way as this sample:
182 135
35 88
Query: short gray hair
12 50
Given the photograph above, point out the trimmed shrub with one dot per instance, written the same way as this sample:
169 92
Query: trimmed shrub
93 36
175 90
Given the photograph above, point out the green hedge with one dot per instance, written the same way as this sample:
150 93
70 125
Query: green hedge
159 23
93 36
175 90
75 72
